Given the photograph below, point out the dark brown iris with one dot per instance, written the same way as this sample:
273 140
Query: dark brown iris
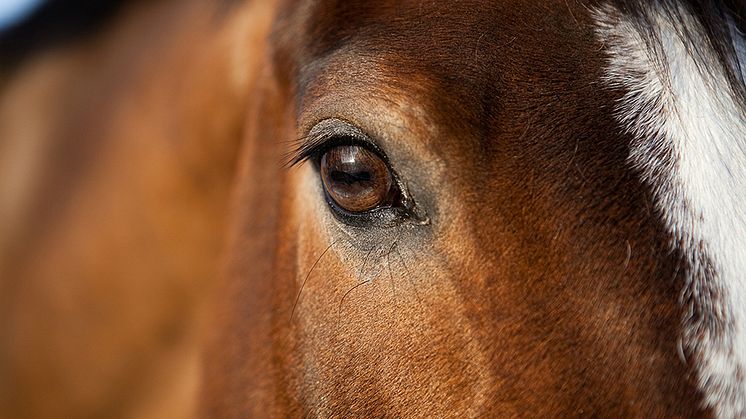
356 178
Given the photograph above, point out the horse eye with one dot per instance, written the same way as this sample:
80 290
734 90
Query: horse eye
357 179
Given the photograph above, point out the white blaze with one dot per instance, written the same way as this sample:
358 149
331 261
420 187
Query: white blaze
690 148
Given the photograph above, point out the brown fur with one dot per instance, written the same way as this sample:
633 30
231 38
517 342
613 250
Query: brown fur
113 239
542 287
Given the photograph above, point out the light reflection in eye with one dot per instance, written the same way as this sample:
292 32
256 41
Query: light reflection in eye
357 179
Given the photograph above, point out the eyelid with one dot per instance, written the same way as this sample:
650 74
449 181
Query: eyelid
329 133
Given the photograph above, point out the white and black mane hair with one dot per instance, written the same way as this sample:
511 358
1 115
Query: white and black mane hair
679 66
721 24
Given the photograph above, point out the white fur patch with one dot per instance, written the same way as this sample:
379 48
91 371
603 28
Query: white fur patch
690 148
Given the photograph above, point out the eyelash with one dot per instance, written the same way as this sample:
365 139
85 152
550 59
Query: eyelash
313 147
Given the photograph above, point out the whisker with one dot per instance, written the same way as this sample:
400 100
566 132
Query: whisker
365 260
409 274
342 301
308 275
388 266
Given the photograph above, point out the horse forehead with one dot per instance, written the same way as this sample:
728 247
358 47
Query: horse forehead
455 55
432 15
461 35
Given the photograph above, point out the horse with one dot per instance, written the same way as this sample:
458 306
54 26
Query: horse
377 209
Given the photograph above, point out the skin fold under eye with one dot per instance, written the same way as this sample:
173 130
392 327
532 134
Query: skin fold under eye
357 179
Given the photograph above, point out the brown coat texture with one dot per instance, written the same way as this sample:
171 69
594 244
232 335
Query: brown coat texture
157 259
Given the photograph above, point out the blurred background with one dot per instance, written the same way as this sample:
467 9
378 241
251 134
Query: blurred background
13 11
120 125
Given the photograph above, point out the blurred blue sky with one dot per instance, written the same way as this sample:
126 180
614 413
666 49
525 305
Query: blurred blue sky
13 10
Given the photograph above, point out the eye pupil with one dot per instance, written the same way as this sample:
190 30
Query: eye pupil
351 177
357 179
